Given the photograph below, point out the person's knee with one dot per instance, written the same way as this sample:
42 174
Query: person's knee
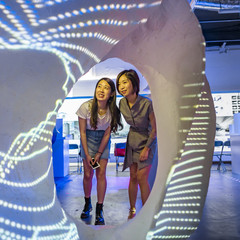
142 178
101 175
88 176
139 178
133 177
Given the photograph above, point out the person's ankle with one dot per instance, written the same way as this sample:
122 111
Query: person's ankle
132 213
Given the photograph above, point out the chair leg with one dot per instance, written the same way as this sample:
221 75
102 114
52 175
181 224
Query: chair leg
221 164
223 167
81 168
117 164
78 165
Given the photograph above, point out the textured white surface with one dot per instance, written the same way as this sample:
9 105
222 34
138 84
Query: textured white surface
236 123
168 50
235 151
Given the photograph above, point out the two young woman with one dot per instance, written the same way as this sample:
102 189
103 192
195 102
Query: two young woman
100 116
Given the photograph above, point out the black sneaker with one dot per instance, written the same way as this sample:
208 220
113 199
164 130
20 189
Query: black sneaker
99 215
86 210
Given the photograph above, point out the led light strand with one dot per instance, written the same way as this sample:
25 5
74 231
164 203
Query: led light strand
78 48
186 178
28 208
72 234
193 151
28 184
190 191
72 35
187 171
181 205
185 185
91 9
64 57
39 129
25 227
177 220
43 3
182 199
178 212
17 24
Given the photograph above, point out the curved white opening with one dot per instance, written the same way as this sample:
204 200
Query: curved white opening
169 51
81 92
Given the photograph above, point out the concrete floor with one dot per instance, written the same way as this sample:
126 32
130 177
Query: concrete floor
220 219
221 214
70 194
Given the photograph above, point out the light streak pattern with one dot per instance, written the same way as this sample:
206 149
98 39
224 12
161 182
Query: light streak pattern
183 195
68 29
62 28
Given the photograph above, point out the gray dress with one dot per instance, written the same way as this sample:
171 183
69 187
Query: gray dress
138 119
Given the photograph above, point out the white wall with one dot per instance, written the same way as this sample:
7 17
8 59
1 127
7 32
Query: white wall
223 70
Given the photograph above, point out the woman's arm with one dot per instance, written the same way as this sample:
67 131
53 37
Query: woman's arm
103 144
82 127
151 138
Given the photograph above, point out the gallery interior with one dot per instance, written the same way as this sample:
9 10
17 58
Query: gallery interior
186 53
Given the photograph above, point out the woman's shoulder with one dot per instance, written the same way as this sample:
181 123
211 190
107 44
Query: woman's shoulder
85 108
87 104
123 105
144 99
122 101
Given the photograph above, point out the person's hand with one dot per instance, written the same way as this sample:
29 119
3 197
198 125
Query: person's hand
97 157
144 154
89 160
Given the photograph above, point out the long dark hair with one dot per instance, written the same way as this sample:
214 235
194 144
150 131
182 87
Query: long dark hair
111 103
132 76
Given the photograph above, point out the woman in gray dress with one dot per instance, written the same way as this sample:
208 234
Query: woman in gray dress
141 140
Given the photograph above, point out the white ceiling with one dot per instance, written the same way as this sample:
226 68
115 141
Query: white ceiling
110 68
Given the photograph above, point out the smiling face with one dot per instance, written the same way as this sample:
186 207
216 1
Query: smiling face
103 91
125 86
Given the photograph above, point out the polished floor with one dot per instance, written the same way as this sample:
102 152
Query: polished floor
221 214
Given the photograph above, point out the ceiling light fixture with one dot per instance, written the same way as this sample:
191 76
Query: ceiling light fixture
229 10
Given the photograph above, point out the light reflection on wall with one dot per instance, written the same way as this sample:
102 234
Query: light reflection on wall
48 27
23 27
183 200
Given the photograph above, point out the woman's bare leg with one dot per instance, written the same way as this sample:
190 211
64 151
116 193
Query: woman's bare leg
101 180
133 186
142 177
87 179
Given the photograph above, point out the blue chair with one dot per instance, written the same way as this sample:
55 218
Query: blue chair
74 153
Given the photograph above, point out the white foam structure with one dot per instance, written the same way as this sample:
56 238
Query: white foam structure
236 122
43 51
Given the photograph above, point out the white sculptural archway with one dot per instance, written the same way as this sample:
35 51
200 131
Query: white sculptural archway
38 70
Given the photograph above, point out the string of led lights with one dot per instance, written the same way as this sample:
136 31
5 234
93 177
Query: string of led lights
185 180
23 26
29 208
91 9
22 144
23 32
